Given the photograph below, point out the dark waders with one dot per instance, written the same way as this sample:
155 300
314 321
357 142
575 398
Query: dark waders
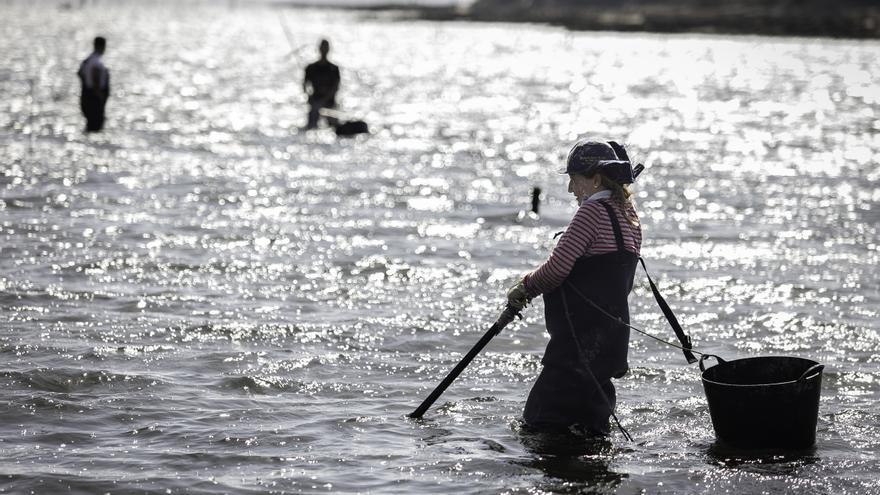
316 104
92 105
570 391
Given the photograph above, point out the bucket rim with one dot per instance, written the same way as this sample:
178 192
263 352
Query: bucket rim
771 384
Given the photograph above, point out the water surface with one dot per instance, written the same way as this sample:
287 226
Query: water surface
202 299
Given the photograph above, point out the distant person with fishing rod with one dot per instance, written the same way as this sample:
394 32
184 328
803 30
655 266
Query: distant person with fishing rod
321 83
95 80
596 258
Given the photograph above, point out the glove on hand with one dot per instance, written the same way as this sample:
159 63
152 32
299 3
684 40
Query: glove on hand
517 297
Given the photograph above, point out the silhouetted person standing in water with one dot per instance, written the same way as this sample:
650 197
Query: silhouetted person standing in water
95 79
323 77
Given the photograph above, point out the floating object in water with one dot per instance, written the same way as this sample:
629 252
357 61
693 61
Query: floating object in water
351 128
763 402
345 127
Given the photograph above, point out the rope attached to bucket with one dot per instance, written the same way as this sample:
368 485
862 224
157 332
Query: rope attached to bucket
631 327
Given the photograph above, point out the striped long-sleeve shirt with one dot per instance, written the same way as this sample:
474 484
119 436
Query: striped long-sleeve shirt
590 233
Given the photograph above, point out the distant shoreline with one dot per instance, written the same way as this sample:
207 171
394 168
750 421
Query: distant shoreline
845 19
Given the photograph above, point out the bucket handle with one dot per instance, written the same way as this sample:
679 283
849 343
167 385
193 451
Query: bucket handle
816 368
717 358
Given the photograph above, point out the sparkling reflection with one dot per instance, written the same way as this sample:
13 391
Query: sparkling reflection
202 289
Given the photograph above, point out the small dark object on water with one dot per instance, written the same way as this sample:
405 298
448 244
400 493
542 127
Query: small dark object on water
764 402
536 199
351 128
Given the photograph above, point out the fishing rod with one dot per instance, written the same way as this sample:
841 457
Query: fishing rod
506 317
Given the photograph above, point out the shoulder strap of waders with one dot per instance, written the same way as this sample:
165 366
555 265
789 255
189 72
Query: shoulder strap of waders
618 235
684 338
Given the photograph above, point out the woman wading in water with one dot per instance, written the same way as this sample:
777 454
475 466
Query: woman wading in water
595 258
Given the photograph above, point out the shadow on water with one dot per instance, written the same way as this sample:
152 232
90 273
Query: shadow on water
571 461
765 461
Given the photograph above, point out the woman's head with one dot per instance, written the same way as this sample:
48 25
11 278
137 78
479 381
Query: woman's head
594 166
583 186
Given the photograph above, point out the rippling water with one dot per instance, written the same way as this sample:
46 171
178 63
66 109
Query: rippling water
204 300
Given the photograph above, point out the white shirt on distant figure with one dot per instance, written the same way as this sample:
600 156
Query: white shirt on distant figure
92 66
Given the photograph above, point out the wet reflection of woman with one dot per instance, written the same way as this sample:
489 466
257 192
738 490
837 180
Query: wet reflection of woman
594 259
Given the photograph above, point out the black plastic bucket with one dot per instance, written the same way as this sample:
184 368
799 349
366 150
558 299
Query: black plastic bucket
764 402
